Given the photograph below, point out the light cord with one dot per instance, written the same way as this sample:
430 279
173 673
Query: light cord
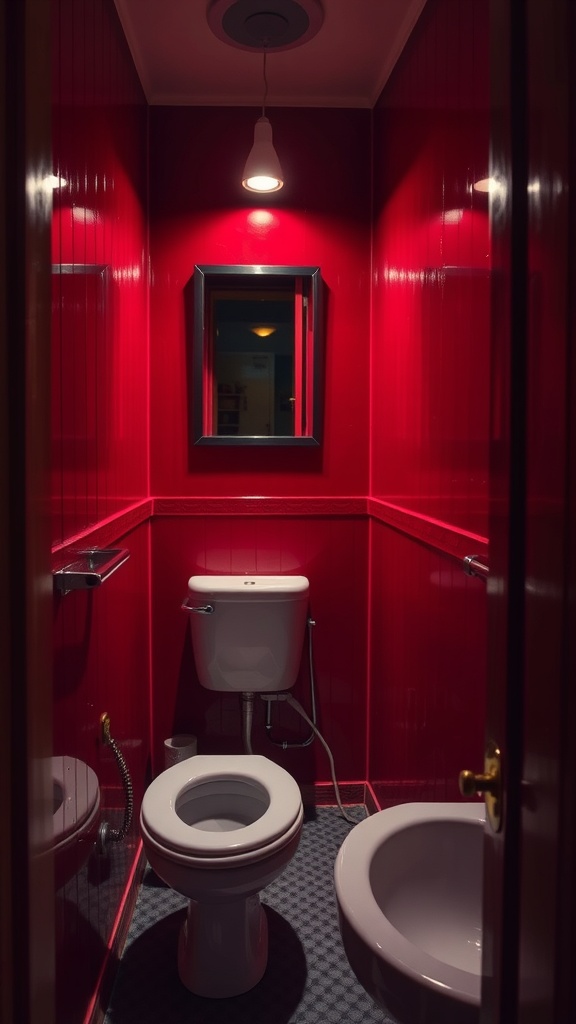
265 85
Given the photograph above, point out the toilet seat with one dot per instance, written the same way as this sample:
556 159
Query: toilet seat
271 785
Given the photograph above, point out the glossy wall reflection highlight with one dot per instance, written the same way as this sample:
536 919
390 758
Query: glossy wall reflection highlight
99 463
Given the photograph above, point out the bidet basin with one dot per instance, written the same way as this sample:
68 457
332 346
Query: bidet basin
409 892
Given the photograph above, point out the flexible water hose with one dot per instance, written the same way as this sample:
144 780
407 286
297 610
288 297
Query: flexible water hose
107 834
285 744
247 712
298 707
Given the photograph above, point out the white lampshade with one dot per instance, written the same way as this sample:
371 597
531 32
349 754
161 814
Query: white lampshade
262 172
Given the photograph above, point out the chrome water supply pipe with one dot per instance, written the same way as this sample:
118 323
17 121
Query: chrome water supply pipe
247 703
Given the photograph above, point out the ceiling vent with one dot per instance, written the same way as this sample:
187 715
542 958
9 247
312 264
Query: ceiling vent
265 24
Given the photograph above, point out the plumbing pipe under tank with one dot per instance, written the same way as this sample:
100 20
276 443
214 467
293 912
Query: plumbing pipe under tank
247 702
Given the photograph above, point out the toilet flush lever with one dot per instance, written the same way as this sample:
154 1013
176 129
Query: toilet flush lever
199 609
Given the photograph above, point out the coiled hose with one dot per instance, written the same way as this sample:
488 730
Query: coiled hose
107 834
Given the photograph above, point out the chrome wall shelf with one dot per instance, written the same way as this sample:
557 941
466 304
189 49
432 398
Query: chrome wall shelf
89 568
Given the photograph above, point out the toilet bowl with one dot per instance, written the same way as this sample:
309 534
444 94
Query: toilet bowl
75 815
218 829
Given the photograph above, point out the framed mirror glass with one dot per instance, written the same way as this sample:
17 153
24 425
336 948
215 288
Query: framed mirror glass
257 355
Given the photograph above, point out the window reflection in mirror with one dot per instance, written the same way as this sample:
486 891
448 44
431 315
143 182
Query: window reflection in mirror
256 355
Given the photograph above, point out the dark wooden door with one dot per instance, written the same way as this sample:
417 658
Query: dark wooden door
529 898
27 886
546 969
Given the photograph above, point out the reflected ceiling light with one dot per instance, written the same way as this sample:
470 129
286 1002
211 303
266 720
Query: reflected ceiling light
52 181
262 170
494 187
263 330
261 221
268 26
486 185
84 215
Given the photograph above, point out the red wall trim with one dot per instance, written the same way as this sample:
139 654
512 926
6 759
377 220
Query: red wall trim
450 540
106 532
260 506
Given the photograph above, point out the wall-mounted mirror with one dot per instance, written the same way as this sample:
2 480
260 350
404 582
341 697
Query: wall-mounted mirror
257 355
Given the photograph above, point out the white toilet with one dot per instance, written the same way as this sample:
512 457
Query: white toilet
219 828
75 815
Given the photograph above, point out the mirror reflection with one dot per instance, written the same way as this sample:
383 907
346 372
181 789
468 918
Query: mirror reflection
256 355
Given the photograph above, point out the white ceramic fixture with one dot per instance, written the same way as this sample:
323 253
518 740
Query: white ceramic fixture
75 815
217 829
409 891
247 631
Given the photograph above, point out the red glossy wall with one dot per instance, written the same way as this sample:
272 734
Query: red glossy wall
199 213
99 461
430 398
428 670
100 328
332 552
431 308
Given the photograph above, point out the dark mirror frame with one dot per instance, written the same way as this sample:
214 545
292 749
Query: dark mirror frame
208 280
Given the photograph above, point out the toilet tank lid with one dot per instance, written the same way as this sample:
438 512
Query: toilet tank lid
248 585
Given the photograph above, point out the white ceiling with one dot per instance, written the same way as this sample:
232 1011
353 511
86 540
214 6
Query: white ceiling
181 62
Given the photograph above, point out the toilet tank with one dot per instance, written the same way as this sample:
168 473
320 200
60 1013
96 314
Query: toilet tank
247 631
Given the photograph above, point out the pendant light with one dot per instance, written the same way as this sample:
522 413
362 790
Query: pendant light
265 26
262 171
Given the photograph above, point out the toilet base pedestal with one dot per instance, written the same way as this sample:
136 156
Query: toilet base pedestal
223 947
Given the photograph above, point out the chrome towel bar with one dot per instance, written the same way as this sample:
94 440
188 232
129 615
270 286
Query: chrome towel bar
89 568
473 565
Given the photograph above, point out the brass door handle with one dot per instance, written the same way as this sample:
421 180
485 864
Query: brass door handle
489 782
470 783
